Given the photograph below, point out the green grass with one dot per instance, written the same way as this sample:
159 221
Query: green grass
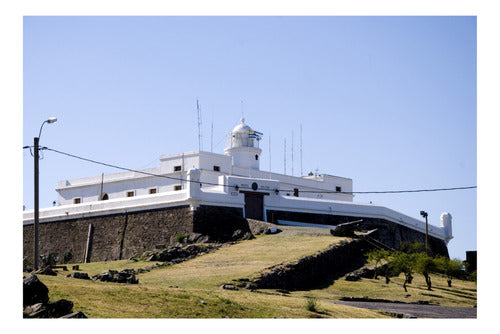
191 289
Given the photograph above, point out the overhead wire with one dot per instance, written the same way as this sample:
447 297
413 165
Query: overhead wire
235 186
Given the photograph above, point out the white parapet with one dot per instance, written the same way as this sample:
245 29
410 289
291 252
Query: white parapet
342 208
112 206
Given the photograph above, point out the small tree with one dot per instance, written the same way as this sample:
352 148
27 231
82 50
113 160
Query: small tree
425 264
451 268
377 256
400 262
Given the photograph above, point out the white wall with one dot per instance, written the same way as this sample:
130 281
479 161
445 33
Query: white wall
230 196
318 183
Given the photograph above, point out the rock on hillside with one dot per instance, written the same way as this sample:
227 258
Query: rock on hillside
36 301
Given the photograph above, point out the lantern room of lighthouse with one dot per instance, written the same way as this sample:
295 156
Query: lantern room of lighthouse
243 147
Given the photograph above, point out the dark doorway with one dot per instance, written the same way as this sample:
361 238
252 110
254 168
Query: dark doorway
254 205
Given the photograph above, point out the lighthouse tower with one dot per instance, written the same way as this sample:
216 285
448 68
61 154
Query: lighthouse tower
243 146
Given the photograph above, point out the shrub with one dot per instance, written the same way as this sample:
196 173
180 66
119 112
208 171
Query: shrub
180 237
48 260
311 305
473 276
27 264
68 257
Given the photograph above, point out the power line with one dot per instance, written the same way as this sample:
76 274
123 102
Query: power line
231 186
389 191
124 168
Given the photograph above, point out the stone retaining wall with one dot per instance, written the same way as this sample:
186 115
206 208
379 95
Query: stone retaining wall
311 270
119 236
389 233
114 237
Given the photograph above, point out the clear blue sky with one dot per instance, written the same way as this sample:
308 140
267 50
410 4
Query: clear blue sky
387 101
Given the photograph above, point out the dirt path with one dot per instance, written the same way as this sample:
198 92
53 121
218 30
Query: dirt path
415 310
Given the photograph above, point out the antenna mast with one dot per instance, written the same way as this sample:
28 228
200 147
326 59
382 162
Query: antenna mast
200 146
269 153
301 150
292 153
284 157
212 138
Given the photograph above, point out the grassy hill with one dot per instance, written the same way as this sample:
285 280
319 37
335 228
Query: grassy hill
192 289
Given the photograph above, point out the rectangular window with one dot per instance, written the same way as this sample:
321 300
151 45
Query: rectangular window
177 168
177 187
130 193
217 168
77 200
338 189
152 191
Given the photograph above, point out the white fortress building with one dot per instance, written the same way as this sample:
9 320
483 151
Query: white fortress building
229 180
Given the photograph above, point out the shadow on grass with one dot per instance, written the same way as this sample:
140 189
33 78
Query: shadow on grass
328 280
455 291
431 295
464 295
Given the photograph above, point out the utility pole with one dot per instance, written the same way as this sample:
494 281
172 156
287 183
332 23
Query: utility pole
36 214
36 255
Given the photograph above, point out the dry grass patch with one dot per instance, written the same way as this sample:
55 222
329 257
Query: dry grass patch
191 289
242 259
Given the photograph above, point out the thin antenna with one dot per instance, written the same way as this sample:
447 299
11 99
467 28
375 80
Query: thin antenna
301 150
284 158
212 139
242 116
292 153
269 153
200 146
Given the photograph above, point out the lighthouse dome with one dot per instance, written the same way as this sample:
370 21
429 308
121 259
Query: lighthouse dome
242 127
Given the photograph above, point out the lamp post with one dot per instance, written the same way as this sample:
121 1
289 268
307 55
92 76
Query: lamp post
36 142
424 214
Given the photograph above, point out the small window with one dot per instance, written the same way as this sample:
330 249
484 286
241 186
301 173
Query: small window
217 168
256 157
177 187
77 200
338 189
130 193
152 191
177 168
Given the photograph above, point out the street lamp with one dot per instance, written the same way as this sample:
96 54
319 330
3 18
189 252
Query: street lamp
36 141
424 214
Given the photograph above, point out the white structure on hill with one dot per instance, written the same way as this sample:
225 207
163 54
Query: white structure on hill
230 180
